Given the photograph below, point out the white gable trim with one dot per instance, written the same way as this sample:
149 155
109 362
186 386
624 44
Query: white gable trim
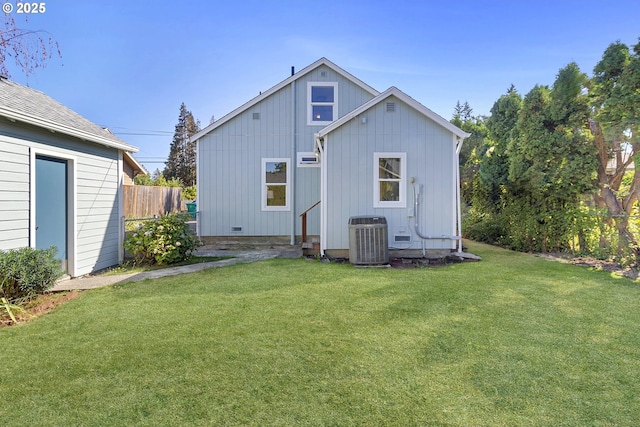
393 91
274 89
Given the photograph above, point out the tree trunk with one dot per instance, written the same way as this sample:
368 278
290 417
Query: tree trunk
619 209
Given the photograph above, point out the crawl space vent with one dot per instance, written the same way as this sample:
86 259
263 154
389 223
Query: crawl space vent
236 229
391 107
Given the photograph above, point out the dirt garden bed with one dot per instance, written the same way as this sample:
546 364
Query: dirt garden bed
596 264
40 305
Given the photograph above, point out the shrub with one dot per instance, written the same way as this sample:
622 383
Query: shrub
26 272
489 231
167 240
189 193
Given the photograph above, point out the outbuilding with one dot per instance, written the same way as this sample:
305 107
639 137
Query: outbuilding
61 181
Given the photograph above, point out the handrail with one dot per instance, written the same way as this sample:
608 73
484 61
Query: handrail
314 205
303 215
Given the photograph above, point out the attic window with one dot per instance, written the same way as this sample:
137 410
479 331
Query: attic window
256 116
322 103
391 107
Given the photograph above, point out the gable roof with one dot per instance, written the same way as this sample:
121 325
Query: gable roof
393 91
23 104
127 157
284 83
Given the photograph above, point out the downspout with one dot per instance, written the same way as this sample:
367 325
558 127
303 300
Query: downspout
293 159
416 206
458 149
321 146
121 231
197 189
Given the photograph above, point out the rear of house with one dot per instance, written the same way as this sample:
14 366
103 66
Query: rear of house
391 158
257 169
324 144
60 181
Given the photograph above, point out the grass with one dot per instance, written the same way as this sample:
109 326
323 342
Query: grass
513 340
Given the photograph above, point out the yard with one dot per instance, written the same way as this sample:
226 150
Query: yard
511 340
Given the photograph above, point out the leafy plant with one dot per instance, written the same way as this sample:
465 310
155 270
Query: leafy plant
167 240
26 272
10 308
189 193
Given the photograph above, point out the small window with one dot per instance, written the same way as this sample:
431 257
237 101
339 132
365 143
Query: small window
275 185
390 181
322 107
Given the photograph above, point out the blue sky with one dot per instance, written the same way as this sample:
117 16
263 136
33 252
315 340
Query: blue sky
129 64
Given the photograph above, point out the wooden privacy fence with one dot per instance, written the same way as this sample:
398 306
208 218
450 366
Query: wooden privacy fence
141 201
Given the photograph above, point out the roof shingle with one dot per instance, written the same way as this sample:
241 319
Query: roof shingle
21 103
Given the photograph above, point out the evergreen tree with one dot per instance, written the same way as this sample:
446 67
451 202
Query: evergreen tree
468 159
551 163
462 113
493 173
181 163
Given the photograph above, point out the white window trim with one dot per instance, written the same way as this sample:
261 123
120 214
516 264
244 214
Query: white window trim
310 104
402 203
263 185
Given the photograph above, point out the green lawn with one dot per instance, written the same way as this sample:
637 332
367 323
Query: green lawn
513 340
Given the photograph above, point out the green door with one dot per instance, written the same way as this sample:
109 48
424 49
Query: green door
52 205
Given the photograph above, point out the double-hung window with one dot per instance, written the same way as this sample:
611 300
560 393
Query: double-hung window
322 107
389 180
275 185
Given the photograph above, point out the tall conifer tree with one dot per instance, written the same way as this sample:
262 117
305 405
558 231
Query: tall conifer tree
181 163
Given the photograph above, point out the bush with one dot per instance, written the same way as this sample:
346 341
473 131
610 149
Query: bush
167 240
489 230
26 272
189 193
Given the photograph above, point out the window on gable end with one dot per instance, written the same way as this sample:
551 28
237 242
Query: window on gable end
389 180
322 103
275 185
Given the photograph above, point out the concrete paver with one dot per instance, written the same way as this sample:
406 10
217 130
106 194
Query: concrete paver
240 256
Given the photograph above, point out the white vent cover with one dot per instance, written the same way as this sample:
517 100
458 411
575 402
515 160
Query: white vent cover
308 160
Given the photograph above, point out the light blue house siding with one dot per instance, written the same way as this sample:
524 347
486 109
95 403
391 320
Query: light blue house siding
431 161
274 125
94 180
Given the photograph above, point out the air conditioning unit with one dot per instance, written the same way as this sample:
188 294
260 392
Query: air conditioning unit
368 240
